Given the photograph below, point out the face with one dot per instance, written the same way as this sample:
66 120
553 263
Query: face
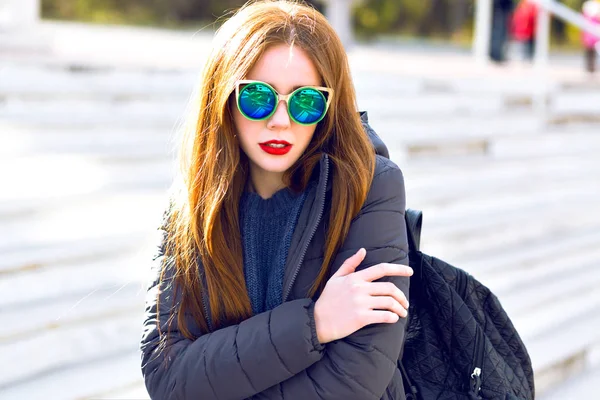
285 68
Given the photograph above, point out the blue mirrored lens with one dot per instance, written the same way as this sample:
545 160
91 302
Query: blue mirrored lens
307 106
257 101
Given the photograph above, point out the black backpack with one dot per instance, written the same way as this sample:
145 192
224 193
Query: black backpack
459 344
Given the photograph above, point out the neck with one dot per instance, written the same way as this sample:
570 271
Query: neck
266 184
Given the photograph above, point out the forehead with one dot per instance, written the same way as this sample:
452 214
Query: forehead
285 68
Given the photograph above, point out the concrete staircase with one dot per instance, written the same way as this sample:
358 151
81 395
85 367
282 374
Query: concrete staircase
508 193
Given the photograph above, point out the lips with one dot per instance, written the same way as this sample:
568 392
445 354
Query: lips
276 147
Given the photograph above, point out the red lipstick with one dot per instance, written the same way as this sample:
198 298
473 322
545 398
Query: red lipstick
276 147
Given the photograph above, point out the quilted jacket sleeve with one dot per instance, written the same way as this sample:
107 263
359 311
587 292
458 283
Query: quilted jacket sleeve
361 365
229 363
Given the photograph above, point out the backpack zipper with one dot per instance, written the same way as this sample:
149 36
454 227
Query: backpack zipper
312 233
475 378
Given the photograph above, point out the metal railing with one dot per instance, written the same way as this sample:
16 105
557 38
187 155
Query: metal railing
542 39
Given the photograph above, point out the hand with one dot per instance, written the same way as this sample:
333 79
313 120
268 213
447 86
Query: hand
351 300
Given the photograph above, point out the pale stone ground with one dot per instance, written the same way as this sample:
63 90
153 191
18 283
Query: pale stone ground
509 193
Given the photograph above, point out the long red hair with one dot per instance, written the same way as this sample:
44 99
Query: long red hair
203 219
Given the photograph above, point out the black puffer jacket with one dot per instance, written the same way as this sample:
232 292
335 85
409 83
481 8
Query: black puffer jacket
276 355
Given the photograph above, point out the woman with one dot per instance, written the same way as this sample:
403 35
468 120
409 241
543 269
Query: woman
283 220
523 27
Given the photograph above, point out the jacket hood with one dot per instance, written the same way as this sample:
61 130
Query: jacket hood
380 147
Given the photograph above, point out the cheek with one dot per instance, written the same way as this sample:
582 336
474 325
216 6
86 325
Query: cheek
246 130
305 134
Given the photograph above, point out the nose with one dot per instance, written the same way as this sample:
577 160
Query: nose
280 119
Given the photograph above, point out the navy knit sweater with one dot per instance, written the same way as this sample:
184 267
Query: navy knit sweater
267 226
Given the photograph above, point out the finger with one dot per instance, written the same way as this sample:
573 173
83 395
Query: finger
384 269
380 317
349 266
387 289
387 303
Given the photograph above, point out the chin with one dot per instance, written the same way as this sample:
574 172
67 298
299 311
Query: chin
278 166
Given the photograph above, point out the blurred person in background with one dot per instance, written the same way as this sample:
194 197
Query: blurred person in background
501 13
591 42
523 26
283 221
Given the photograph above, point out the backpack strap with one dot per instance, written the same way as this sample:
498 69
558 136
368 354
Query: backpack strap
414 220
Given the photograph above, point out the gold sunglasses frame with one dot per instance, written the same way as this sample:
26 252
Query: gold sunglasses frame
283 97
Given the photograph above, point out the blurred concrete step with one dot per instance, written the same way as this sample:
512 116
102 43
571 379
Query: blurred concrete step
574 118
420 171
404 130
15 210
116 216
444 190
556 143
22 210
503 96
508 84
583 385
123 47
562 353
545 194
116 376
74 282
67 252
578 102
369 84
81 113
459 221
513 88
470 236
524 143
529 254
387 103
68 347
54 176
22 141
547 304
73 307
34 82
561 306
45 183
559 267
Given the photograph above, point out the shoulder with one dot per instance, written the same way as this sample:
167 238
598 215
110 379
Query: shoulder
386 172
387 188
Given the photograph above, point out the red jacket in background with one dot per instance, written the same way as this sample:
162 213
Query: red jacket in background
523 20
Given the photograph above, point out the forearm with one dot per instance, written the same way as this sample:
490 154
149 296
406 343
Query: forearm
238 361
